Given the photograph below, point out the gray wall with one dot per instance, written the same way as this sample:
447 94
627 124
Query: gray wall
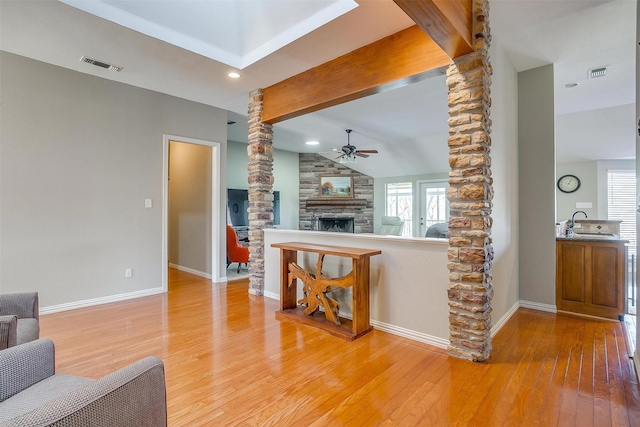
504 167
536 162
189 234
588 191
80 154
285 175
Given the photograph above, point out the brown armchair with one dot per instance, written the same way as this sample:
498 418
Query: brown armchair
235 251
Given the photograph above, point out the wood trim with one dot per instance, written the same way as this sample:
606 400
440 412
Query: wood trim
336 203
342 251
448 22
405 57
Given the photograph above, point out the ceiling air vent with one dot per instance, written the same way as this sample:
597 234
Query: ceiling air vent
597 72
100 64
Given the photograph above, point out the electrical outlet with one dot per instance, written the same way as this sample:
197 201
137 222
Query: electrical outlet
148 203
128 272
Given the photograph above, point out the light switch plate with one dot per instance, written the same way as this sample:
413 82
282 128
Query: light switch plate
148 203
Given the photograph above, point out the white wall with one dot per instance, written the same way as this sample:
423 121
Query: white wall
636 357
80 154
536 163
408 284
504 167
285 174
595 128
189 207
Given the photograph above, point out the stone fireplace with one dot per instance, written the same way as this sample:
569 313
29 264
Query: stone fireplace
359 208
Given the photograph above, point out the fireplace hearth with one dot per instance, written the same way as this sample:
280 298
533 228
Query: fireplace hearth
336 224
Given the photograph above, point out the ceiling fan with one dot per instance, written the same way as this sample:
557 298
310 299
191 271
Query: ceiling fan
349 152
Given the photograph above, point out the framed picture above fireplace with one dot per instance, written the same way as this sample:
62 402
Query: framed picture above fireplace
336 187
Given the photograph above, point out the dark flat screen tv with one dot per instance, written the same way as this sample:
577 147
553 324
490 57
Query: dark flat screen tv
238 202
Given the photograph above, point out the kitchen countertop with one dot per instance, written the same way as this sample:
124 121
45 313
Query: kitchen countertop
613 238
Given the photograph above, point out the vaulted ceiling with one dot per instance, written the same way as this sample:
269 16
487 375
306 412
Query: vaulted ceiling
573 35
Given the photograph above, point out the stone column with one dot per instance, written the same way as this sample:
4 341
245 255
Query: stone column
260 152
470 194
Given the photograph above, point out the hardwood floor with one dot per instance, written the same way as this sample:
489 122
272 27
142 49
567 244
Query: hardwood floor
229 362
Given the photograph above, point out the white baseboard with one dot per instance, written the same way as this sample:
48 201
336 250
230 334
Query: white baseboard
412 335
538 306
192 271
391 329
98 301
272 295
504 319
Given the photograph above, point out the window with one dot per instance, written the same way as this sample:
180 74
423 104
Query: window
400 203
621 203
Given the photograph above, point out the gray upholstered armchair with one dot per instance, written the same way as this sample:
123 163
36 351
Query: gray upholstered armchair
31 394
391 225
438 230
19 319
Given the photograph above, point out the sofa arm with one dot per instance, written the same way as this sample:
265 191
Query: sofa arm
133 396
24 305
8 331
24 365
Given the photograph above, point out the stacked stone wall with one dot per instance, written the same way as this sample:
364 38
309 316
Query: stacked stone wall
470 195
312 167
260 153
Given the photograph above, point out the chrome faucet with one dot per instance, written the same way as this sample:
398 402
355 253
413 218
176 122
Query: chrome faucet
570 231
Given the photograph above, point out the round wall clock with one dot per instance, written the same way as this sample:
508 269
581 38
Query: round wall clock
568 183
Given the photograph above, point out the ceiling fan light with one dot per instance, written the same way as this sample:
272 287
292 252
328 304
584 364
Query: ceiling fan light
345 159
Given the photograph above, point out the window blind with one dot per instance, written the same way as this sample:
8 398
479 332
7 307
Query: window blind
621 203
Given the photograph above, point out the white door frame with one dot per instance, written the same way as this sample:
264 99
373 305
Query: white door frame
217 226
421 185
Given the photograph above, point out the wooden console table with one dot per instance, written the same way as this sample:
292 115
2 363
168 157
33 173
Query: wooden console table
316 287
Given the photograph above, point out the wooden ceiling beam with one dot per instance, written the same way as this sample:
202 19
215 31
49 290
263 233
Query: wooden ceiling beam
394 61
448 22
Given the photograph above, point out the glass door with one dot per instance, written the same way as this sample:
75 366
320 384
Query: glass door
433 204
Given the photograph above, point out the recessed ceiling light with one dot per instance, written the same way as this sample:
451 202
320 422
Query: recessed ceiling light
312 142
571 85
234 75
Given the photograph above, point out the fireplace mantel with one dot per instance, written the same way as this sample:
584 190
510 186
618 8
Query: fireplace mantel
336 203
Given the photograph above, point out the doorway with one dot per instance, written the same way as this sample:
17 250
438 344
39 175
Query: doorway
433 204
206 217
